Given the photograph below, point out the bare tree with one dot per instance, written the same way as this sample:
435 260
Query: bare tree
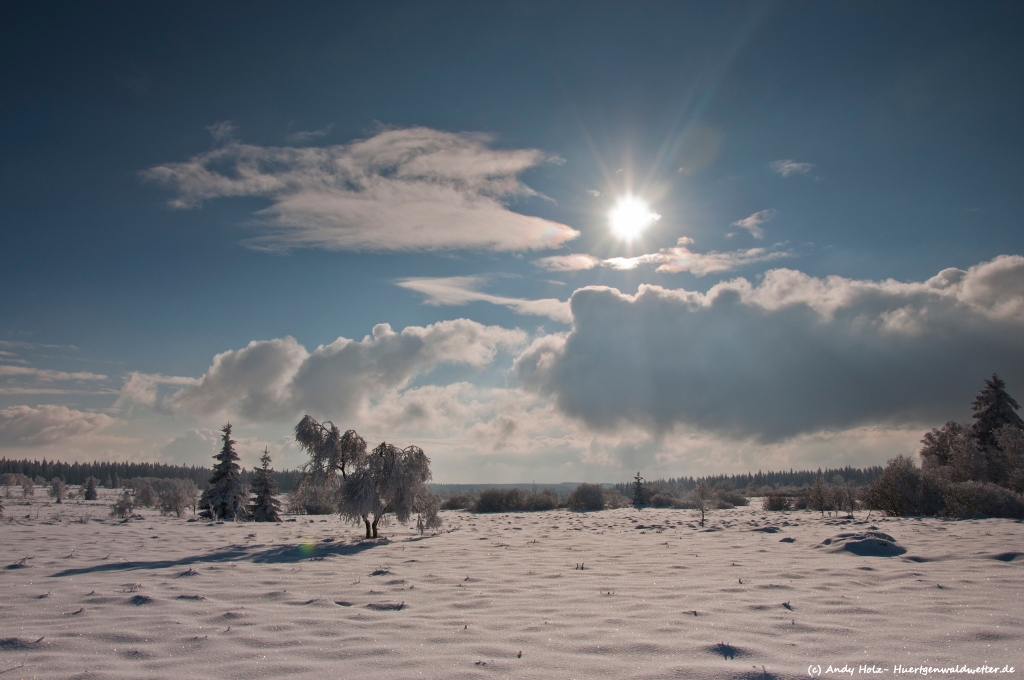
390 481
702 498
179 495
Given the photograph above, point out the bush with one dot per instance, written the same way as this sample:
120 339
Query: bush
663 500
969 499
775 502
177 497
586 497
897 492
123 506
613 498
539 501
500 500
145 495
58 489
460 502
732 497
310 498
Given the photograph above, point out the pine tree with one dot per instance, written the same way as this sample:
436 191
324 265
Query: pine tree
264 506
639 491
993 408
90 489
226 497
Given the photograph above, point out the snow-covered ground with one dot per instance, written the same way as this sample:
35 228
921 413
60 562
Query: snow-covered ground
611 594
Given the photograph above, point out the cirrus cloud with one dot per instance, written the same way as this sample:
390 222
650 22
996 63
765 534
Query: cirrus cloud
413 189
461 290
788 166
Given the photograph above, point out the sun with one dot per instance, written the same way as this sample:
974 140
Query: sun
630 217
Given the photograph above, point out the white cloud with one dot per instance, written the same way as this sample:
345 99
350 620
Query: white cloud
144 388
788 166
401 190
681 259
47 424
461 290
46 375
754 222
568 263
279 379
307 136
678 258
792 355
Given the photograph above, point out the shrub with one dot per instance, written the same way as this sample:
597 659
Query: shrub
123 506
663 500
539 501
145 495
58 489
702 498
90 493
178 496
460 502
311 498
775 501
968 499
800 502
613 498
733 498
586 497
897 491
500 500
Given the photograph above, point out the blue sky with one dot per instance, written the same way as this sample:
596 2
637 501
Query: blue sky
195 198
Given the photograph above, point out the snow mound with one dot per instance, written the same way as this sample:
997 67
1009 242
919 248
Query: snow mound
864 544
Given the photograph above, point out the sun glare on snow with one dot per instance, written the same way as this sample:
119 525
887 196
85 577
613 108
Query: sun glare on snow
630 217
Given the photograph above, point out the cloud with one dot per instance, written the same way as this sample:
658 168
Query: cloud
568 263
279 379
754 222
47 424
792 355
681 259
143 388
46 375
413 189
461 290
307 136
788 166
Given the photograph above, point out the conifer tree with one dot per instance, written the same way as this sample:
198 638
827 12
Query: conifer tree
993 408
227 496
639 492
90 489
264 506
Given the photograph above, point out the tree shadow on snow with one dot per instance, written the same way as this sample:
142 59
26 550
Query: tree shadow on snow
277 554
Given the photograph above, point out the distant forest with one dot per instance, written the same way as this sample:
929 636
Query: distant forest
760 480
121 474
116 475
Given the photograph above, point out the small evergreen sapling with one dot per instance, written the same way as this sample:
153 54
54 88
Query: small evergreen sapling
639 491
264 506
226 498
90 493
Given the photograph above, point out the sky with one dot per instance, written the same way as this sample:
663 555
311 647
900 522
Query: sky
543 241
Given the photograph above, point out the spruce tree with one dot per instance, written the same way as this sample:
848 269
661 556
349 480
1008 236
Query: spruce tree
90 489
264 506
639 491
227 496
993 408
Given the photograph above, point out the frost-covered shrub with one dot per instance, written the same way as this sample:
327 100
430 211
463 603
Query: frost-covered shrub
662 500
897 491
500 500
969 499
613 498
459 502
312 498
123 506
178 496
586 497
775 502
540 501
145 495
733 497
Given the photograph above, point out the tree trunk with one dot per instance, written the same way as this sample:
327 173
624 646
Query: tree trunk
367 522
375 520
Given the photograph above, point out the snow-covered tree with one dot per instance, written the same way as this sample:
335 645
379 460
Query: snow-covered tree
702 498
264 487
639 491
145 495
993 408
178 496
58 489
90 493
330 452
390 481
226 498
